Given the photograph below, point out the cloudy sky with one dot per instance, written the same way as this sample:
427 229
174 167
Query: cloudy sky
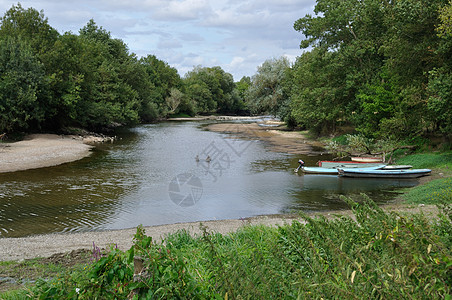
238 35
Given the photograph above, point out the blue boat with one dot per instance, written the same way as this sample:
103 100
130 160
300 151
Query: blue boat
330 171
399 174
333 171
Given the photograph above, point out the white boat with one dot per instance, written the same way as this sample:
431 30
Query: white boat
397 167
347 164
368 159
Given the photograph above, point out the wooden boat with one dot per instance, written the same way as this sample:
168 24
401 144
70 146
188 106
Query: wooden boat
347 164
333 171
360 173
397 167
367 159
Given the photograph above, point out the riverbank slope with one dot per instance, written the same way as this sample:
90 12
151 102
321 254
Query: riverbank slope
17 249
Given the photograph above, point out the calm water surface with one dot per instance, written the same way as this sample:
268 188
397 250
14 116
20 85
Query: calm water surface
151 177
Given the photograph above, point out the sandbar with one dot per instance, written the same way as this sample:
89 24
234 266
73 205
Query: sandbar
278 140
42 150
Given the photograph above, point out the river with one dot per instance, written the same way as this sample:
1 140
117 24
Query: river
150 176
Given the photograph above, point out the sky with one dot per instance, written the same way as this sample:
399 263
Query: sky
237 35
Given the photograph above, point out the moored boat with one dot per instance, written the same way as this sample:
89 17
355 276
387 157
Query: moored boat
368 159
397 167
347 164
333 171
400 174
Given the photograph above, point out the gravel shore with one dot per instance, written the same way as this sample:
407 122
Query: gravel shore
18 249
46 245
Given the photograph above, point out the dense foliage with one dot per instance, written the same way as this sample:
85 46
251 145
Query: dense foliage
382 255
50 80
383 67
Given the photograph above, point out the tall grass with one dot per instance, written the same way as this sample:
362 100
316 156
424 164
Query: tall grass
378 255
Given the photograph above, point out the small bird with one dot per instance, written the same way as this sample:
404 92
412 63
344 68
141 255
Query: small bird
197 158
208 159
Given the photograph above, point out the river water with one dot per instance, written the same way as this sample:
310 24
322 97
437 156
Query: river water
150 176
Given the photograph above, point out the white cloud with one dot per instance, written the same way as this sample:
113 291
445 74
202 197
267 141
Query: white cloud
183 10
169 44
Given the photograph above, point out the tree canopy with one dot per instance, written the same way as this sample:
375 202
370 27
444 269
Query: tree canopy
382 67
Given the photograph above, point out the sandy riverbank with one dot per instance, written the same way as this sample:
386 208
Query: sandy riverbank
278 140
43 150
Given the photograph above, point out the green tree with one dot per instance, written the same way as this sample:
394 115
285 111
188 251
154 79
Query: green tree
440 79
32 26
212 89
243 85
266 92
162 78
21 81
361 40
316 95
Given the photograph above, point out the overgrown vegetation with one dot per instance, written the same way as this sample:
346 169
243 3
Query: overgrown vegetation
381 255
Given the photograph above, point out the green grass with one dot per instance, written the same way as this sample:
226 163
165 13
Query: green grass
437 160
380 255
25 273
434 192
437 191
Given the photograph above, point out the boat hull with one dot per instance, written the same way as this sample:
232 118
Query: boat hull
396 174
333 171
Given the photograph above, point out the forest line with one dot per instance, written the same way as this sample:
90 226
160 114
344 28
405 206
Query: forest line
382 68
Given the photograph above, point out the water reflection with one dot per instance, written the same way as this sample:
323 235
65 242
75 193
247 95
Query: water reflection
323 191
125 184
